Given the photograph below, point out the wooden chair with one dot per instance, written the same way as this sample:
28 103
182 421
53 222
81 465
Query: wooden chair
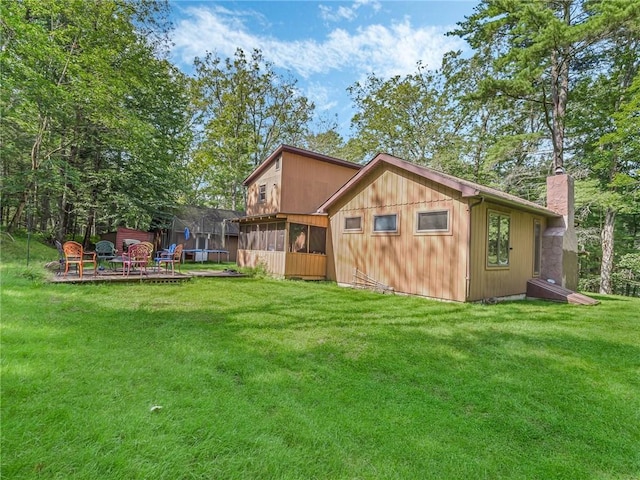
170 258
74 254
138 256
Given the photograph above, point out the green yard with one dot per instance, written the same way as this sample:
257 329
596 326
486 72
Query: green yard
252 378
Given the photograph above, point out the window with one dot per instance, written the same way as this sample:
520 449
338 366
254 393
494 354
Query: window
242 238
385 223
280 233
262 193
537 247
498 239
307 238
278 163
317 240
271 237
353 224
434 221
298 238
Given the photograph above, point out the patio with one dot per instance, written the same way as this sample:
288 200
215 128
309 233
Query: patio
151 276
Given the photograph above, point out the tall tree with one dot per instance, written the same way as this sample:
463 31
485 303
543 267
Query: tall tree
537 46
246 109
606 122
408 117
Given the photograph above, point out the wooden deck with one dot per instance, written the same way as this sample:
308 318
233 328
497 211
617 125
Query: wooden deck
152 276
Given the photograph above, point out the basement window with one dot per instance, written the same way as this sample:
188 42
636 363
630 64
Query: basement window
498 227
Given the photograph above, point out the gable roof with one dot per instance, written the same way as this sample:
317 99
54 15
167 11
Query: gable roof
466 188
297 151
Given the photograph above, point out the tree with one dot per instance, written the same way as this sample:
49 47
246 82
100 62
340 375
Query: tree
539 50
611 151
537 46
408 117
92 116
245 110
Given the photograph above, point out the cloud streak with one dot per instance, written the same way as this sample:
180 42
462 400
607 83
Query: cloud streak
386 50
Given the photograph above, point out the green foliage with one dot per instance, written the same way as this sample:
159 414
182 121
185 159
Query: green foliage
92 116
246 110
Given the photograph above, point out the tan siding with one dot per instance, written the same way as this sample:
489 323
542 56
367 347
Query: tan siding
489 282
272 179
305 265
309 182
429 265
315 220
274 262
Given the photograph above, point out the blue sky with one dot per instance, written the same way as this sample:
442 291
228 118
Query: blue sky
326 45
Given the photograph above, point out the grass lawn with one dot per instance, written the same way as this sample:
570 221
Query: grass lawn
253 378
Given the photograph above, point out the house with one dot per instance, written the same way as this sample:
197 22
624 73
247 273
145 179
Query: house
406 228
282 230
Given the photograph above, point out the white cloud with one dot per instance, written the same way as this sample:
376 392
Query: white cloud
384 50
342 12
321 96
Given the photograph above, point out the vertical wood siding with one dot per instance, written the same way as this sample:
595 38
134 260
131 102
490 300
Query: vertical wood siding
489 282
430 265
309 182
305 265
272 179
273 261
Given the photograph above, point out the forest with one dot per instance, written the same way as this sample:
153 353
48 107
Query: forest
98 129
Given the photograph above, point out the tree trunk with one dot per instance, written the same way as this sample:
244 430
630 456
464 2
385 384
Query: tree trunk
607 251
559 93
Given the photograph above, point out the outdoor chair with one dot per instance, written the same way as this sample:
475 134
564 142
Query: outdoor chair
137 256
62 261
151 247
105 250
170 258
127 242
74 254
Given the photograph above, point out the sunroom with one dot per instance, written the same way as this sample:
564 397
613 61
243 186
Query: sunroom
285 245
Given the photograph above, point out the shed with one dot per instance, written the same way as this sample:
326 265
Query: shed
122 233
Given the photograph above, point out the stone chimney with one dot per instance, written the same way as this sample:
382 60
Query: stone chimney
559 242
